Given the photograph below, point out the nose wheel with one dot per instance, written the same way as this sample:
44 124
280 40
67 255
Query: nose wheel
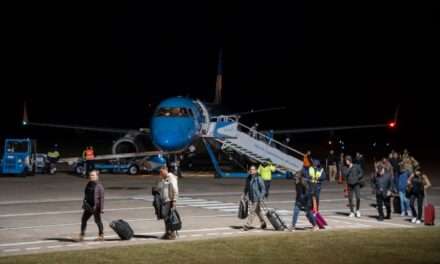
175 166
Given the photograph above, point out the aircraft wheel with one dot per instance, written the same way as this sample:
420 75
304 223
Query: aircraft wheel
133 170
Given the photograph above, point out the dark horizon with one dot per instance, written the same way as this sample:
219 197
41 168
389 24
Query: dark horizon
327 65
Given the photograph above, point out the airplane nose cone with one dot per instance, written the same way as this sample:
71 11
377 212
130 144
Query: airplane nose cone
171 141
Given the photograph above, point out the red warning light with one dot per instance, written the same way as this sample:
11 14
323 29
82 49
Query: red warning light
392 124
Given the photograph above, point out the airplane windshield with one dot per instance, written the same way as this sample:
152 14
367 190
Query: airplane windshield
173 112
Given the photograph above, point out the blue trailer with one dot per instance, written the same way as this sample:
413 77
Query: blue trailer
129 166
17 157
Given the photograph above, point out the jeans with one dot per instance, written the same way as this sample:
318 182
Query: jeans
357 191
86 216
309 215
404 203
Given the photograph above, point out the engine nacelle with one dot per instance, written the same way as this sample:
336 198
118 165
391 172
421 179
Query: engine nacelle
132 142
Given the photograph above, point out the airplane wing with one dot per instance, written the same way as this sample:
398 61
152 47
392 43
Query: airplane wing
26 122
323 129
391 124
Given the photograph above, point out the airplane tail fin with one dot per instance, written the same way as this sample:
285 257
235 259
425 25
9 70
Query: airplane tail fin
219 80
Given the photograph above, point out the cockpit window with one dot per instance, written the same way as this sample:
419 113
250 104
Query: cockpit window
173 112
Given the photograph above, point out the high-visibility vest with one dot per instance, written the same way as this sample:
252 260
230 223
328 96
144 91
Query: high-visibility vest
266 172
89 154
307 161
53 154
315 174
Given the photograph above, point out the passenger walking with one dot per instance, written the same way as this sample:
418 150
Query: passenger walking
93 204
353 175
303 202
383 184
419 183
402 188
253 131
255 190
169 192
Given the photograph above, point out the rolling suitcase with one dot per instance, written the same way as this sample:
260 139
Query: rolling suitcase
275 220
122 228
320 221
429 214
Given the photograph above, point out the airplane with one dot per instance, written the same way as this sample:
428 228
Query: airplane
178 122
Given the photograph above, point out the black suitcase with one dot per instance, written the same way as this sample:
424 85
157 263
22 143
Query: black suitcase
396 205
122 228
275 220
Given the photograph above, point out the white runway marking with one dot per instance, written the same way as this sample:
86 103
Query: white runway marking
11 250
33 248
370 221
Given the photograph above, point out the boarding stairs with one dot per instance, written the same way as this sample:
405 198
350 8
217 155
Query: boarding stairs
255 145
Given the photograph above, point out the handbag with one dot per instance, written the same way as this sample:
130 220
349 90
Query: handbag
243 208
173 220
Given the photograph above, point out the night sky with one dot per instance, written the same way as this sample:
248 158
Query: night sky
330 64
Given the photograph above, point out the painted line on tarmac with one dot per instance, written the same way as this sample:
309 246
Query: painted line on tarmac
347 224
149 197
26 243
33 248
369 221
71 212
11 250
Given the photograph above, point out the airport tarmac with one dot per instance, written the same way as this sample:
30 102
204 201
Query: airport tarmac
42 213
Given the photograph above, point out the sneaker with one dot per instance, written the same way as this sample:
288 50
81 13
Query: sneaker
245 228
380 219
403 214
418 222
165 236
291 228
315 228
100 238
80 238
358 214
351 215
413 220
172 236
263 226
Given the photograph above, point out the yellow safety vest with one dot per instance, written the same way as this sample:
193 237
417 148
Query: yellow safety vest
315 174
266 172
53 154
